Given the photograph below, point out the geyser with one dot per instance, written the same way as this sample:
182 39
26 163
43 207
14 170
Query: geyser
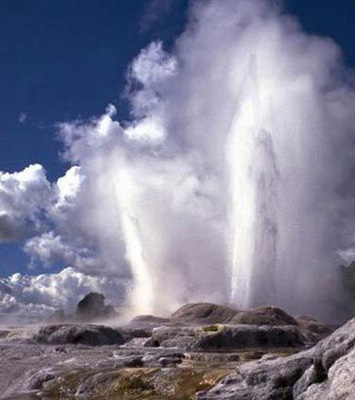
232 184
259 113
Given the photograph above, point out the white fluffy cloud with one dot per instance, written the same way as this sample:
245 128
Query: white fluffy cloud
52 250
24 196
30 297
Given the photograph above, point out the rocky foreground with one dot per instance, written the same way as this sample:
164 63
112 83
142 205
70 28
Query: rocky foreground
203 351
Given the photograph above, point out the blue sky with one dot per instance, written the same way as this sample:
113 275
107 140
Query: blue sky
65 59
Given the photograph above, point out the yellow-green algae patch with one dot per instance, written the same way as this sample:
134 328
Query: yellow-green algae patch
136 384
213 328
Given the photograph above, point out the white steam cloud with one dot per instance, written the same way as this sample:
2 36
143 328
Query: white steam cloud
231 184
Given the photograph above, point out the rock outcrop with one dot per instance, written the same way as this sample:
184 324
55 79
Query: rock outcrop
262 380
250 337
92 307
209 313
220 337
264 315
325 372
204 313
92 335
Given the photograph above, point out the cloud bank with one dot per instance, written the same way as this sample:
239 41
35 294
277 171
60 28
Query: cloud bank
27 298
231 183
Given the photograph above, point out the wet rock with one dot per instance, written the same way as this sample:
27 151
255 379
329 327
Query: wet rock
250 336
137 342
333 371
166 336
264 315
92 307
90 386
336 345
324 372
227 338
163 358
209 313
262 379
338 383
130 333
308 378
37 381
204 313
92 335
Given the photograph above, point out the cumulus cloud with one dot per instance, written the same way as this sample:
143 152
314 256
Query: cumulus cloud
32 297
24 196
51 250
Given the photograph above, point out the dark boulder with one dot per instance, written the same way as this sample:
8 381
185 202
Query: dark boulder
92 335
92 307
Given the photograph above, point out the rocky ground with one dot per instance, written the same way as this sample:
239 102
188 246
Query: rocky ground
203 351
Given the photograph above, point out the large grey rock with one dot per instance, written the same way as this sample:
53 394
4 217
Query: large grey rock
172 336
336 345
226 338
264 315
209 313
338 384
92 335
249 336
333 368
324 372
204 313
262 380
